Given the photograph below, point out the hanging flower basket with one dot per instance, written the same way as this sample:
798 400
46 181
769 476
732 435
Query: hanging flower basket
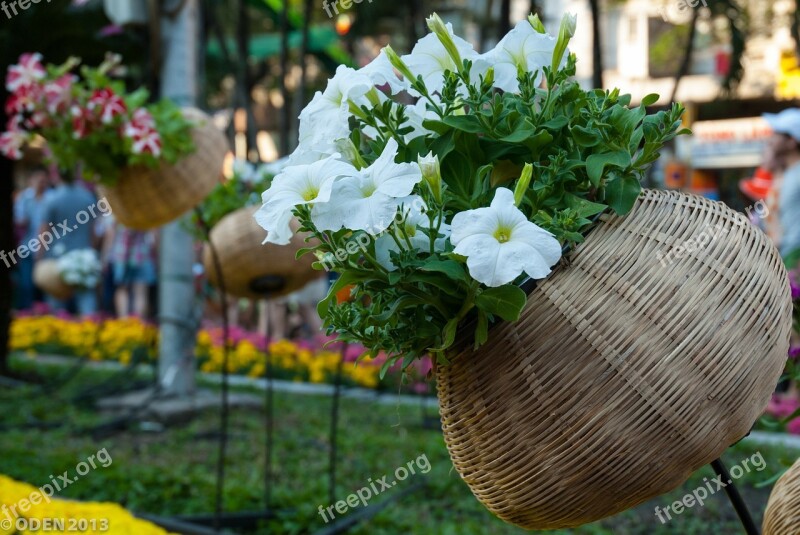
153 161
782 516
632 367
61 277
47 277
145 198
638 358
251 270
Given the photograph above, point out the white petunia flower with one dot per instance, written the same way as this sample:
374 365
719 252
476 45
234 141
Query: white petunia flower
298 186
381 72
414 221
500 243
368 199
523 49
325 119
430 59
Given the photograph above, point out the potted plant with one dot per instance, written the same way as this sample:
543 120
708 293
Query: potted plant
77 269
250 270
153 161
488 211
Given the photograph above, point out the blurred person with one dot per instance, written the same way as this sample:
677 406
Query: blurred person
60 210
276 318
28 218
785 149
132 258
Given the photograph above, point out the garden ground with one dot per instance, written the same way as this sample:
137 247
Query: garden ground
172 472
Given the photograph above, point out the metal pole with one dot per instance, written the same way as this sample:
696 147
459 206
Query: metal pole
736 499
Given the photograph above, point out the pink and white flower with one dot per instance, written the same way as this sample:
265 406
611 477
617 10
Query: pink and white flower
148 143
12 140
82 120
140 124
28 71
58 93
110 105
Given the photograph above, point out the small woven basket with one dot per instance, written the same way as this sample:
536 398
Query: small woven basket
632 366
144 198
47 278
782 516
251 269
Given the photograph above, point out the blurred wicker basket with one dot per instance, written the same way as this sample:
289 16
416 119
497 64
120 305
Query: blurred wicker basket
251 269
631 367
47 278
144 198
782 516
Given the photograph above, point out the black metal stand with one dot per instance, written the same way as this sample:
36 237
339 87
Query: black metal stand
269 422
334 451
736 499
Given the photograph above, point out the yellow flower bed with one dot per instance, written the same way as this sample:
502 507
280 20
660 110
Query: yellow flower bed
118 340
112 517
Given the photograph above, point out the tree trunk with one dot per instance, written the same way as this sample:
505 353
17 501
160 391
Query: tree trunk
178 316
505 19
597 45
688 52
286 110
302 88
6 244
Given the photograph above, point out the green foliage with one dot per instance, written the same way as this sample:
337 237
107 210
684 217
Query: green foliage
588 150
243 189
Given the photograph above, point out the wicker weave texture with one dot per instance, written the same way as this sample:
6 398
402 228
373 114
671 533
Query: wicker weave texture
47 278
144 198
782 516
631 367
238 240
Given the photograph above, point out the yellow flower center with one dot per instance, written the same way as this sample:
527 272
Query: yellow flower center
310 193
502 234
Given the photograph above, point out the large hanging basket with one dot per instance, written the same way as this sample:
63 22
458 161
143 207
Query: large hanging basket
632 366
144 198
251 269
47 277
782 516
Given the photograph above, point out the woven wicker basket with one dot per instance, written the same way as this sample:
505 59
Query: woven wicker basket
47 278
632 367
253 270
144 198
782 516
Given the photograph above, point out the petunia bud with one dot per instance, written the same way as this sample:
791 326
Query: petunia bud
523 184
398 63
565 33
437 26
536 23
350 152
432 173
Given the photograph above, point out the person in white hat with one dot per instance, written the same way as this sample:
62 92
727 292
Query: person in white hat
785 145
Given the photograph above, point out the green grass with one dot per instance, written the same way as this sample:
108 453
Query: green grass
173 472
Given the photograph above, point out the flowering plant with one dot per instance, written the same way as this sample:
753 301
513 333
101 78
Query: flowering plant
469 173
241 189
90 120
80 268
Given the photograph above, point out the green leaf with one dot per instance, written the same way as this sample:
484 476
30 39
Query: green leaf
506 301
347 278
583 207
482 330
585 137
465 123
597 163
622 192
451 268
650 99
